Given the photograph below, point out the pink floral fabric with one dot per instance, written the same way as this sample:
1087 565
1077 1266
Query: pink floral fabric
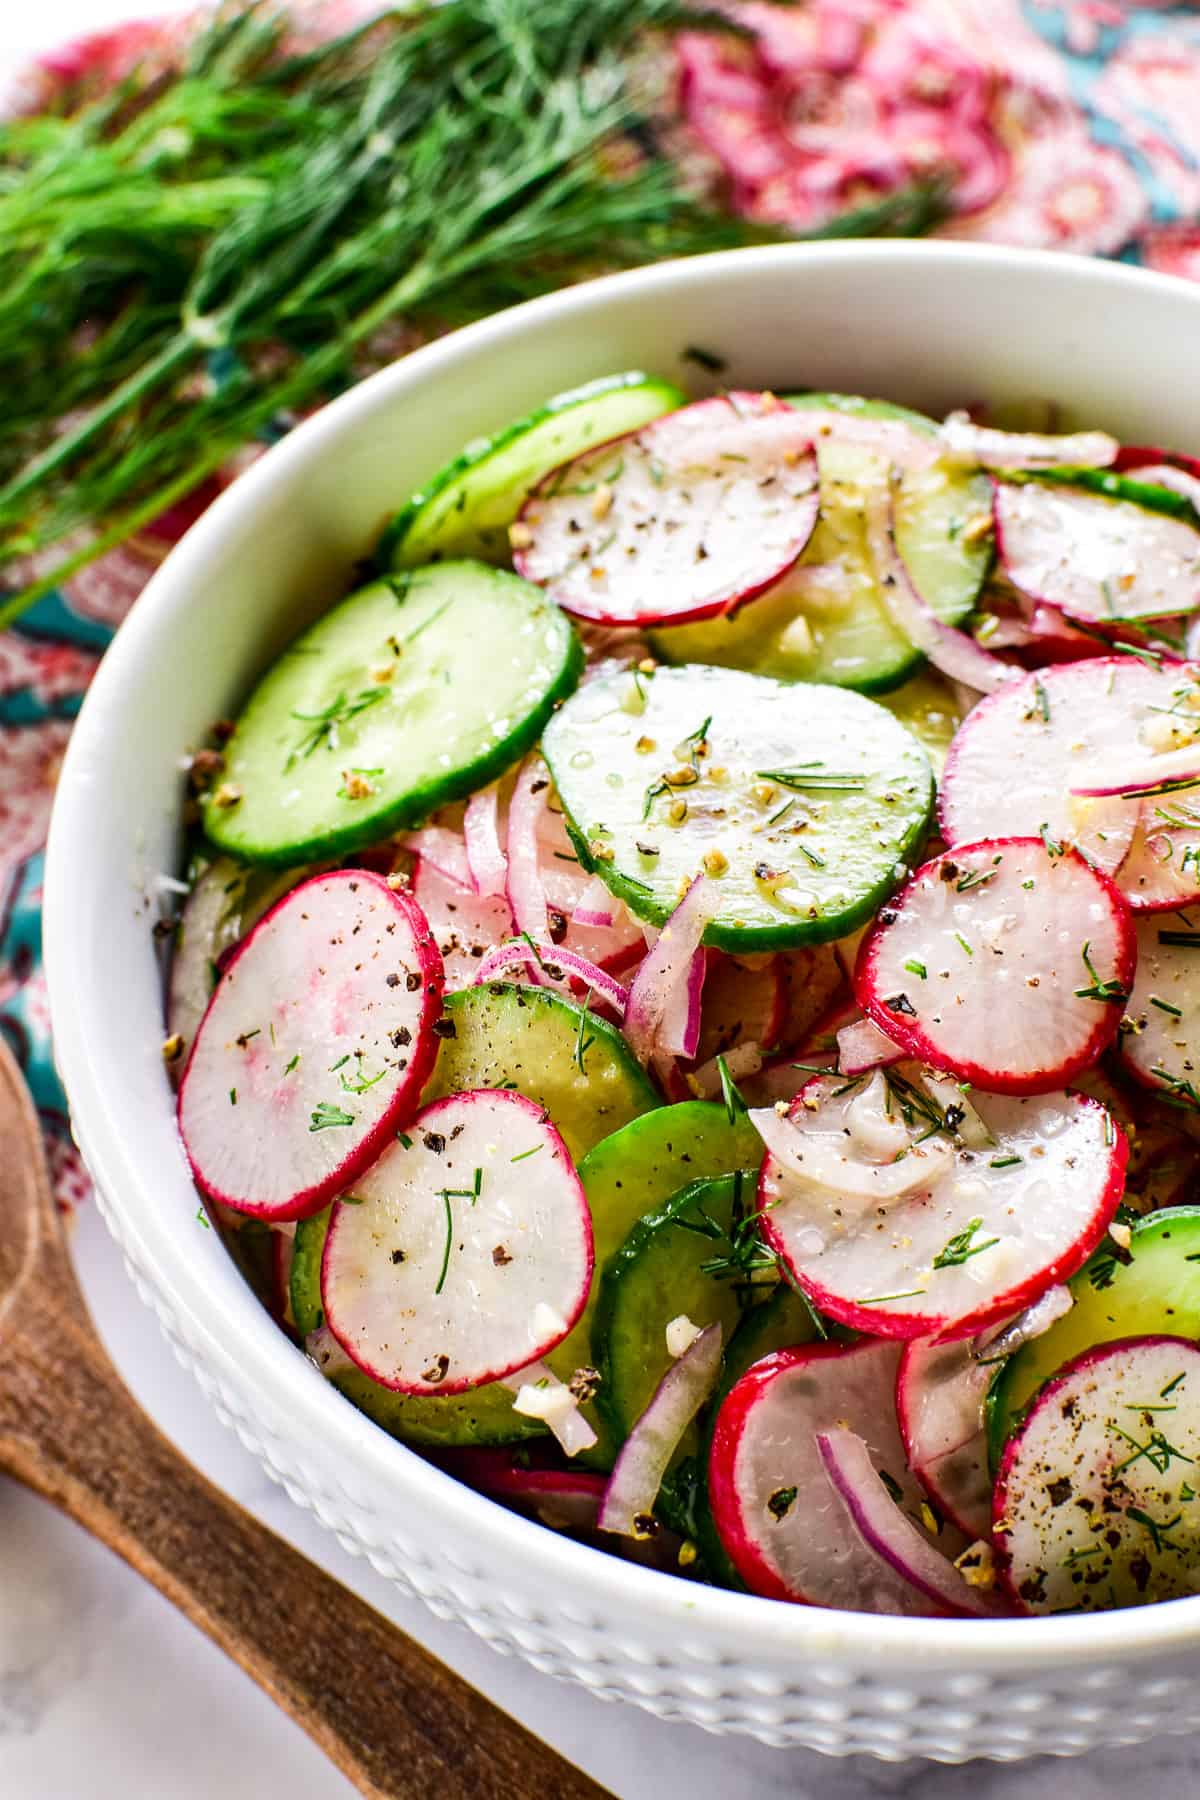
1069 124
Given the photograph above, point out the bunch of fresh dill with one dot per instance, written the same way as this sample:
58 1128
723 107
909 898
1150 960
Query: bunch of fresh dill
265 213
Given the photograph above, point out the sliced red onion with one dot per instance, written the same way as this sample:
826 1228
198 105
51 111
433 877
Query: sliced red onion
525 887
444 849
886 1531
550 957
664 998
1045 1312
481 832
1185 481
965 441
862 1046
1145 776
594 906
541 1395
817 1157
955 653
639 1469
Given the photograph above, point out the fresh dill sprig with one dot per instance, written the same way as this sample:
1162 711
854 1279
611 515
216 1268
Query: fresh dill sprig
189 260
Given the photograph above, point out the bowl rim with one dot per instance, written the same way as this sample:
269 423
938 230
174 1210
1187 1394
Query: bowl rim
238 1333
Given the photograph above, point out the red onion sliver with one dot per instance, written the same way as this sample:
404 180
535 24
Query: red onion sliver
862 1046
965 441
526 890
1180 481
887 1533
481 831
594 906
956 654
444 849
553 956
638 1471
1142 775
541 1395
664 998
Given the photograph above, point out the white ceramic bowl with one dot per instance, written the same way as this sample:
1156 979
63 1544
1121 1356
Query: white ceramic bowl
936 325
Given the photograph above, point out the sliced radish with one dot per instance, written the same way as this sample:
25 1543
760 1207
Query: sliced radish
1161 870
563 1499
225 901
314 1048
464 924
862 1046
885 1530
464 1253
1097 1503
1138 776
1017 755
940 1391
639 1469
486 860
782 1525
1002 963
693 515
891 1226
1160 1033
1097 559
967 442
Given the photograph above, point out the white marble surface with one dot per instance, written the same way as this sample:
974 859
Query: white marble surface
104 1691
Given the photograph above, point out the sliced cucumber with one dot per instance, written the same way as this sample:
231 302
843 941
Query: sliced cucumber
657 1275
1158 1290
467 507
574 1064
512 1036
804 802
414 691
483 1416
840 631
632 1173
780 1323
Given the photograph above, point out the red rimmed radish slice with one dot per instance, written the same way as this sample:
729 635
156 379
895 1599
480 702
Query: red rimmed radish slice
1096 559
1170 771
465 1253
639 1469
1161 870
895 1228
965 441
940 1391
464 924
1096 1503
886 1533
1160 1033
315 1046
785 1530
1001 963
694 515
1016 756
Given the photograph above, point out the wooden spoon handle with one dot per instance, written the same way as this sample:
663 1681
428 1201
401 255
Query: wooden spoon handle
395 1720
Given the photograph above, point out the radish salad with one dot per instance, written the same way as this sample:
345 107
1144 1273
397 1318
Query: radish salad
687 1003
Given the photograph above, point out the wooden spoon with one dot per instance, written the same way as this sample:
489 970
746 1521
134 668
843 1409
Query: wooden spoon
392 1718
